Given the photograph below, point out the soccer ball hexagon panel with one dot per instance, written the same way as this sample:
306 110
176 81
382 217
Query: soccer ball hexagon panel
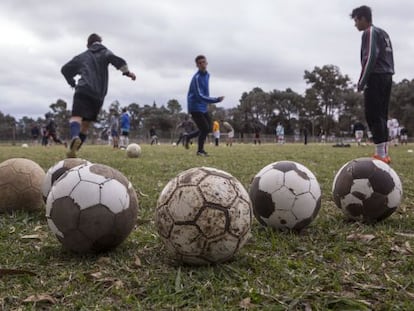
91 208
203 216
285 195
367 190
57 170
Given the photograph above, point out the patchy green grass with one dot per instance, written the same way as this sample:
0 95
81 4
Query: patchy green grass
320 269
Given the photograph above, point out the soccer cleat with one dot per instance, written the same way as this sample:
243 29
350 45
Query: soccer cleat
73 147
386 159
202 153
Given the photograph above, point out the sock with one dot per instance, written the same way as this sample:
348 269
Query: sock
74 129
381 149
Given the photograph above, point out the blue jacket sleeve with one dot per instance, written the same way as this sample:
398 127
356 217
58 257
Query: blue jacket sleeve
199 91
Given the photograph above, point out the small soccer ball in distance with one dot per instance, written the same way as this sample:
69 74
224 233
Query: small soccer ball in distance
285 195
133 150
57 170
91 208
20 185
367 190
203 216
25 146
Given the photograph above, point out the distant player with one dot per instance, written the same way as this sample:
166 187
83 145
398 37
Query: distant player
51 130
35 132
393 129
280 133
125 126
114 126
376 78
198 98
403 136
230 133
359 129
257 129
153 135
216 132
187 126
91 89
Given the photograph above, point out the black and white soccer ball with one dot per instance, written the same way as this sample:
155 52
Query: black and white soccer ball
285 196
91 208
203 216
133 150
367 190
57 170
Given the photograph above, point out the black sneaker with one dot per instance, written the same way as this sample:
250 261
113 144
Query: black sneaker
202 153
73 147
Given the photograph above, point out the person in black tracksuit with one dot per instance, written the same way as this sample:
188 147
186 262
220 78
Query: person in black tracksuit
90 91
376 78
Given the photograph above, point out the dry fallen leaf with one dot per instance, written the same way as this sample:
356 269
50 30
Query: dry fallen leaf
96 275
40 298
31 237
246 303
104 260
407 235
137 262
360 237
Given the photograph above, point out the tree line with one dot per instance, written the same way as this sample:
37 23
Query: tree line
329 104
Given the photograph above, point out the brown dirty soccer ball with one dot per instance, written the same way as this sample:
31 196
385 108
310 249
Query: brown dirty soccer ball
91 208
367 190
20 185
203 216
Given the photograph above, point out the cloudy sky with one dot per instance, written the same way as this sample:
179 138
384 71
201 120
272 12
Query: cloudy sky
265 43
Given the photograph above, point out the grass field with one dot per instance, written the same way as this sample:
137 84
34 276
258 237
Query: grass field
332 265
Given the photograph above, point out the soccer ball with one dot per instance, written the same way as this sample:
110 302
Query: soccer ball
91 208
20 183
57 170
367 189
203 216
133 151
285 196
25 146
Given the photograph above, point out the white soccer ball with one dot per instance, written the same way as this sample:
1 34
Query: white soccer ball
91 208
25 146
203 216
367 190
285 195
57 170
133 150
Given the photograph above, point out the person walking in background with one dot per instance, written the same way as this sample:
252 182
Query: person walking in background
403 136
153 135
114 126
125 126
51 130
216 132
257 129
198 98
305 136
35 132
90 91
359 129
187 126
280 133
376 78
230 133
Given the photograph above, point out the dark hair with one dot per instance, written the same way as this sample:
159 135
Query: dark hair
124 110
93 38
199 57
362 11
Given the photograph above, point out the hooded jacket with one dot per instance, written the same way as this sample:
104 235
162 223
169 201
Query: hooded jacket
199 95
92 66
